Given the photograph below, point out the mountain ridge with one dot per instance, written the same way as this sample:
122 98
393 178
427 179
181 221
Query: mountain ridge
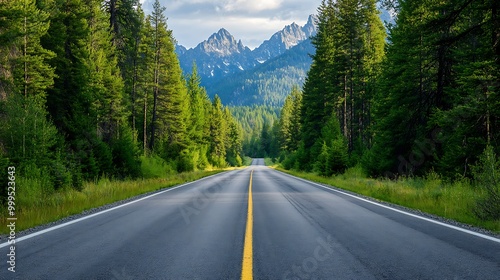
221 55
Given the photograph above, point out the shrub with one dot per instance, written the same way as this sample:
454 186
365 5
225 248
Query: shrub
155 167
487 175
60 175
187 160
126 155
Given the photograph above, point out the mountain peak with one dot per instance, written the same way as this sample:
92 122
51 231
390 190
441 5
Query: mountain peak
289 37
222 44
312 19
310 27
223 33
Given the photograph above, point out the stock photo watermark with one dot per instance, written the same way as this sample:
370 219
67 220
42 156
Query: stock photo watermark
322 252
11 220
423 150
200 201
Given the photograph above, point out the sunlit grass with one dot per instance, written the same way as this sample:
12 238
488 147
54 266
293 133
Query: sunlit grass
269 162
33 207
247 161
431 194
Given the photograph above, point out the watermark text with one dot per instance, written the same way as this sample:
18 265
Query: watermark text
11 220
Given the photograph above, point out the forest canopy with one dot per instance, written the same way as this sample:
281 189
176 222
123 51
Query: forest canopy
92 89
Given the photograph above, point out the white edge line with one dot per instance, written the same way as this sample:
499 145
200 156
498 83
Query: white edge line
99 213
491 238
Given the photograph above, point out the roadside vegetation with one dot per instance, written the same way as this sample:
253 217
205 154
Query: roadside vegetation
37 203
463 200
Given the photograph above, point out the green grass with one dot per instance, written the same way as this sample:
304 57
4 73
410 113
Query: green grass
247 161
431 194
269 162
33 207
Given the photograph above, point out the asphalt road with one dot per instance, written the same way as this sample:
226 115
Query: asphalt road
300 231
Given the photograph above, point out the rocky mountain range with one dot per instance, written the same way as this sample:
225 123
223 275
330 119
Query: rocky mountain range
222 56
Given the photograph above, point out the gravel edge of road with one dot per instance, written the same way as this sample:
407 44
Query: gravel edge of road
407 209
3 237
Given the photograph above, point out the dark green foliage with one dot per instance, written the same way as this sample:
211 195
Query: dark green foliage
60 174
349 48
87 86
126 155
289 126
187 161
27 135
322 164
218 129
288 160
333 156
436 103
252 120
487 176
4 164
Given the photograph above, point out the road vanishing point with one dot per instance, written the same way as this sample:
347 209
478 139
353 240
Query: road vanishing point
253 223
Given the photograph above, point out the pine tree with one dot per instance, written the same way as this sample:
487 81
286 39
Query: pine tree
318 99
285 123
144 77
295 120
158 23
72 104
28 138
349 49
289 123
217 133
359 40
469 122
106 82
25 77
170 100
198 98
233 146
437 88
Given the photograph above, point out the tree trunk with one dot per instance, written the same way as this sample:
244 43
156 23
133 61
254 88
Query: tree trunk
154 117
344 110
145 124
495 18
134 83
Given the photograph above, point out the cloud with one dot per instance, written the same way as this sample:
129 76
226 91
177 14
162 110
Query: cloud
252 6
193 21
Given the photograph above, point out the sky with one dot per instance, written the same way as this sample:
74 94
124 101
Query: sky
252 21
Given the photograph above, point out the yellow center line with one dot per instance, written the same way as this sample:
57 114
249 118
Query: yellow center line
247 268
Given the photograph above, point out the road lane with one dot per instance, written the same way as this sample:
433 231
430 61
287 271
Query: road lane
293 221
300 231
192 232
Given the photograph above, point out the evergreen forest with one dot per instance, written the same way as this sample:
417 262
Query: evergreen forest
93 89
420 99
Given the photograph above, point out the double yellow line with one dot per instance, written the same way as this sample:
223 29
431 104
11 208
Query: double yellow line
247 267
